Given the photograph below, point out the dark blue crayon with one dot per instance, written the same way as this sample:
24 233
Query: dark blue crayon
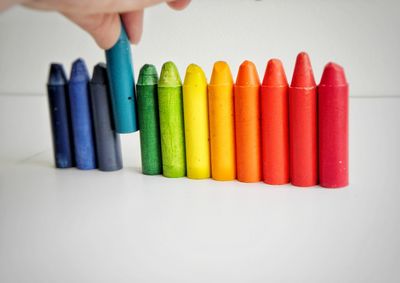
108 145
60 118
85 155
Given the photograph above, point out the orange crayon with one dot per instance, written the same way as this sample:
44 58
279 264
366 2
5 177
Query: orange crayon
221 119
247 123
275 125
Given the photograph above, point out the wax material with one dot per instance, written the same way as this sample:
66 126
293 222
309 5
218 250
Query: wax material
108 145
85 155
303 124
195 109
171 121
247 123
222 127
149 125
60 118
275 124
333 97
122 84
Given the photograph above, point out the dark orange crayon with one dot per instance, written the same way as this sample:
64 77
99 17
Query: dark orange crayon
275 124
247 123
303 124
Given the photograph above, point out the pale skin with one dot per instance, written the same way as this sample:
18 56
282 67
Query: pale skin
100 18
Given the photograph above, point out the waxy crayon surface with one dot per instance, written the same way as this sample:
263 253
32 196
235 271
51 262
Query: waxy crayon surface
149 125
222 126
333 120
303 124
122 84
108 145
195 111
247 123
275 124
60 117
171 122
82 127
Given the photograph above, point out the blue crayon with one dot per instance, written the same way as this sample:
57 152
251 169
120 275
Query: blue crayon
60 118
122 85
82 127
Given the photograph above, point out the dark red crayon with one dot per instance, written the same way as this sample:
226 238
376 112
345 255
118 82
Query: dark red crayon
333 117
303 124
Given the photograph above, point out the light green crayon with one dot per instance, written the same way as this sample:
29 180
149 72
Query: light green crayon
171 122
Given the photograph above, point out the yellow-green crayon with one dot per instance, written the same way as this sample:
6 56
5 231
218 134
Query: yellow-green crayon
171 122
195 109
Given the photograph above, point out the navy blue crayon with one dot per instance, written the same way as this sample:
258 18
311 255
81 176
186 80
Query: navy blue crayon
57 93
85 155
108 145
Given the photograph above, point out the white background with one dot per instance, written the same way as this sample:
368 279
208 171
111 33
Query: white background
362 35
90 226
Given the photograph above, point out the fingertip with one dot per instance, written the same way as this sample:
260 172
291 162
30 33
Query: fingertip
179 4
133 22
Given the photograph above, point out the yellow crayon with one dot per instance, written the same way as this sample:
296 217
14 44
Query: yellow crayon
221 115
195 111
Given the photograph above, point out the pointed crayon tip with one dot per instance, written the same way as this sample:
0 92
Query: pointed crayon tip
333 75
169 76
247 74
221 74
275 74
99 74
303 75
57 75
148 75
79 72
194 75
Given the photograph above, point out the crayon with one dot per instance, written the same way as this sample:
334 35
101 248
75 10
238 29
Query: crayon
195 110
85 155
149 125
333 97
122 84
171 122
222 126
275 124
303 124
60 118
247 123
108 145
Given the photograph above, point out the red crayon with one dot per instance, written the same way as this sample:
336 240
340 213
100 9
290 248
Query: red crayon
333 97
275 124
303 124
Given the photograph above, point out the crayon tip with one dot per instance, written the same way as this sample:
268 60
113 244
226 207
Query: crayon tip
194 75
148 75
99 74
247 74
79 71
169 76
57 75
303 75
333 75
275 74
221 74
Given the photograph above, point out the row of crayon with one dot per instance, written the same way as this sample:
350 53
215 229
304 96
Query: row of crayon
81 119
245 130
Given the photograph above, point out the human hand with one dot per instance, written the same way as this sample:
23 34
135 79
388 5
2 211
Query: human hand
101 18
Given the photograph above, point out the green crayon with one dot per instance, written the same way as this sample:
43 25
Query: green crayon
146 89
171 122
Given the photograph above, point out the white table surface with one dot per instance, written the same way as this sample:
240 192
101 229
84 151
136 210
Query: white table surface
90 226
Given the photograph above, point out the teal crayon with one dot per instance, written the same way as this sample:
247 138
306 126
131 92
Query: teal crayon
122 84
149 125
